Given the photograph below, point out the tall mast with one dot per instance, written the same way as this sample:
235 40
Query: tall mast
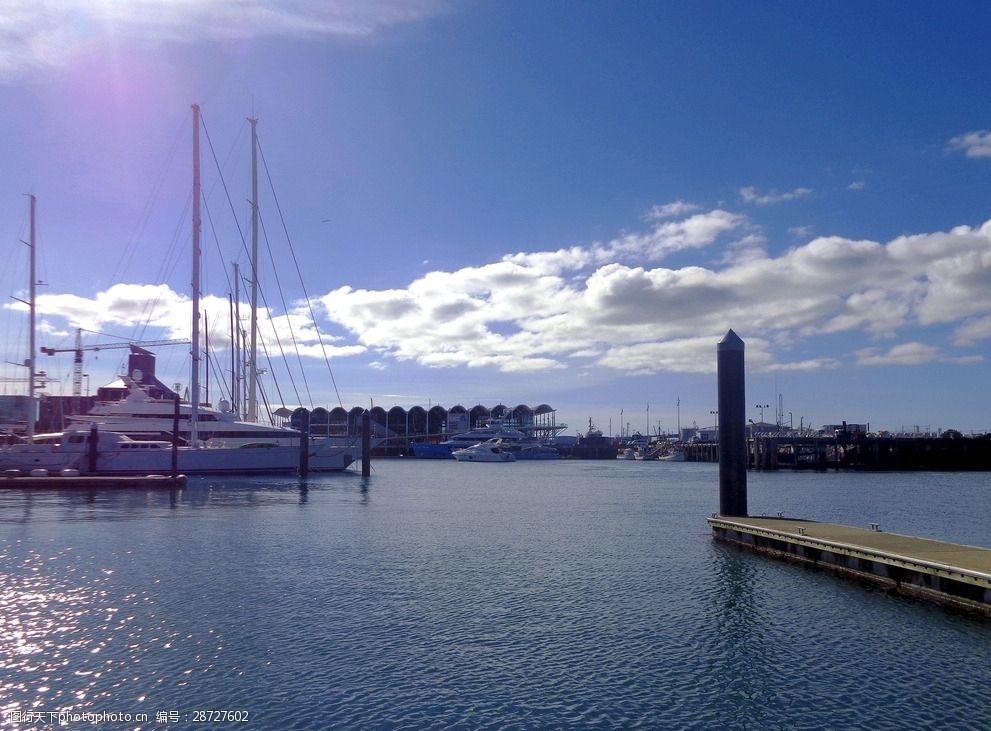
238 342
197 226
230 314
31 327
253 355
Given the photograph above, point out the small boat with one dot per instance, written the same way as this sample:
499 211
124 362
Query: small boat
511 440
488 451
675 455
525 449
593 445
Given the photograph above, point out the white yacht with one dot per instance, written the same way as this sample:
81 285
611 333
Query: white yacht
488 451
117 454
512 440
143 417
130 431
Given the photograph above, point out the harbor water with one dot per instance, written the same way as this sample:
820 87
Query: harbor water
439 595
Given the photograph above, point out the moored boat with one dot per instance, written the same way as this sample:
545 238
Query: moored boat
513 440
131 430
489 451
118 454
143 417
593 445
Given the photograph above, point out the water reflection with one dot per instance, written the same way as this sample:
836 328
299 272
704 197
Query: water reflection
63 638
26 506
568 596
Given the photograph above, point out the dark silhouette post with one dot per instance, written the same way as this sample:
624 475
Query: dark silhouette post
304 442
732 426
175 439
366 444
93 450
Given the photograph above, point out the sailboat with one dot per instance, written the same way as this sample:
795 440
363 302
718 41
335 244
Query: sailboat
27 454
216 441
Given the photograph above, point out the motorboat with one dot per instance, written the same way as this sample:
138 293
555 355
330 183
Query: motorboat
488 451
529 450
511 439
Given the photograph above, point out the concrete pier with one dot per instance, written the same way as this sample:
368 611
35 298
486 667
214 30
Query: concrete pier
946 573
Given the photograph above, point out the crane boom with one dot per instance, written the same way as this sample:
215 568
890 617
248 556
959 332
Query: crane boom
77 362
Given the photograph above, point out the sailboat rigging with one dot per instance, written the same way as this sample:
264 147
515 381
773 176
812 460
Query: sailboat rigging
217 441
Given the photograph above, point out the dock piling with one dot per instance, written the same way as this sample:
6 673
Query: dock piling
92 450
304 442
366 444
175 438
732 426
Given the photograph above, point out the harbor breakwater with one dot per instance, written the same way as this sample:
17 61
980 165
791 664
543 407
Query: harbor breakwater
858 452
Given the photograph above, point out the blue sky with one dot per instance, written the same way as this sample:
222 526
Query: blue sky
563 203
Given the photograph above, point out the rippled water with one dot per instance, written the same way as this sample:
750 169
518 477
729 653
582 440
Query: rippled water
449 595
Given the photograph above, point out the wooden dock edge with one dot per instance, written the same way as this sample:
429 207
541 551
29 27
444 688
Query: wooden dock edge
93 482
943 584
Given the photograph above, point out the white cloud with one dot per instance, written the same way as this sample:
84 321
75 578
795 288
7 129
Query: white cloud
750 195
694 232
670 210
686 355
972 331
857 185
905 354
633 317
544 311
44 33
155 312
973 144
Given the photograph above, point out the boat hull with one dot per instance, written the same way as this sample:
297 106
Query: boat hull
214 461
115 454
482 457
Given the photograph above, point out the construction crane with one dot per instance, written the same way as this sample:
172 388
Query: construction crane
77 364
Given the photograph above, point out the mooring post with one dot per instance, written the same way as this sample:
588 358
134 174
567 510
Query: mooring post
91 466
732 426
175 440
366 444
304 442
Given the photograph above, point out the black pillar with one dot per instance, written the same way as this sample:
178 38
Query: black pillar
175 438
732 426
304 442
93 449
366 444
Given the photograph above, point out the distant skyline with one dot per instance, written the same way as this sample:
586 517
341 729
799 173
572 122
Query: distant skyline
519 203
